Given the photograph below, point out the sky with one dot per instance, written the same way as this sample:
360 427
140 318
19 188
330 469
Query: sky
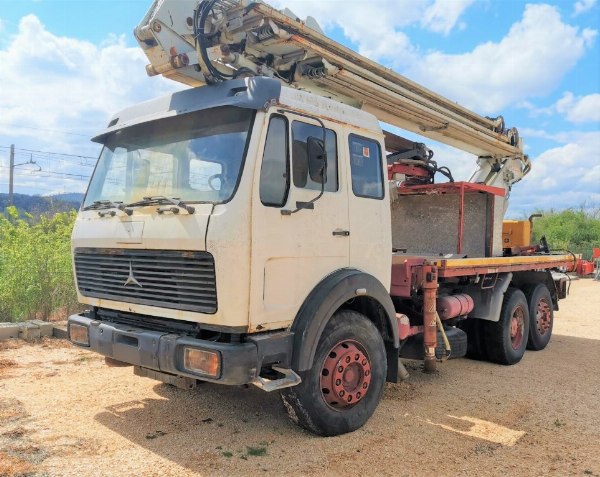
66 66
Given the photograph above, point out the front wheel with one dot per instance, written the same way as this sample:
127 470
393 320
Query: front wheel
344 386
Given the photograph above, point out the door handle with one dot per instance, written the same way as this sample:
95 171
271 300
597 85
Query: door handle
341 233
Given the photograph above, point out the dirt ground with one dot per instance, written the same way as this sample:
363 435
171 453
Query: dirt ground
64 413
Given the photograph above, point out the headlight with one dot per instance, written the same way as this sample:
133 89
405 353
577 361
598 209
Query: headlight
78 334
200 361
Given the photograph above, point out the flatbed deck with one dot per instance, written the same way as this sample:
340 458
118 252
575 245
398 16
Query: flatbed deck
405 267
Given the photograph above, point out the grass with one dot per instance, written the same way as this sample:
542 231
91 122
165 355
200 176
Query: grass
256 451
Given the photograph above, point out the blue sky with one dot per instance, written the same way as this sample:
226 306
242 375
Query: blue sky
66 66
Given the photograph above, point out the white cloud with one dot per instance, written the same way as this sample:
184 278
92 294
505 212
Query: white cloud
58 90
442 16
58 83
576 109
582 6
564 176
580 109
529 61
375 26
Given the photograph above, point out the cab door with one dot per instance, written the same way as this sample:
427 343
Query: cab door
293 250
368 194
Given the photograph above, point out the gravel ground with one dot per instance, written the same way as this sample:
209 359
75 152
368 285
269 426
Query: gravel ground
64 413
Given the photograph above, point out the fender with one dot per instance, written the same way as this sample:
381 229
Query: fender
325 299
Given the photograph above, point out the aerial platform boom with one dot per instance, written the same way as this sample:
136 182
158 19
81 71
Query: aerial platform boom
214 40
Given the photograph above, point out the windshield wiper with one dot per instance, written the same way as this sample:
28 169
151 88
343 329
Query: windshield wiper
161 199
107 204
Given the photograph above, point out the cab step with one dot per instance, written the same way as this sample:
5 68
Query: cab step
289 379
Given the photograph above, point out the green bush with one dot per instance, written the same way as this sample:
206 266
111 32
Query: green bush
574 230
36 276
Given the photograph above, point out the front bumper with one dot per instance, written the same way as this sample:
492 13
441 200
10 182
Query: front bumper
240 363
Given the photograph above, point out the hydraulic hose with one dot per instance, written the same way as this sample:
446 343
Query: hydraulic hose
444 337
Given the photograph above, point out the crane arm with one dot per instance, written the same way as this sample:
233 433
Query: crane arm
214 40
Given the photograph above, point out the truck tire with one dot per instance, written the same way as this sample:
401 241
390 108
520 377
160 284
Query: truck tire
506 339
475 338
541 316
344 386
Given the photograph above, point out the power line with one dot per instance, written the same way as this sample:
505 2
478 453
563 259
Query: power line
43 172
51 153
46 129
74 161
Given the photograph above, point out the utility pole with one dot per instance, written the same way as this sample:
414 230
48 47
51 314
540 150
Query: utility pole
11 174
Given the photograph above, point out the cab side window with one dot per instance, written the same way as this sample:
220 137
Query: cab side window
300 133
275 169
366 168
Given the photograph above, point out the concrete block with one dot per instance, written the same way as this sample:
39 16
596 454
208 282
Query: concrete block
45 327
60 332
29 331
9 330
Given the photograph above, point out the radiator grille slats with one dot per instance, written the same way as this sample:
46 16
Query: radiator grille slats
180 280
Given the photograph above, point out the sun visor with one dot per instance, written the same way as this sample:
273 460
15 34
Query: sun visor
250 93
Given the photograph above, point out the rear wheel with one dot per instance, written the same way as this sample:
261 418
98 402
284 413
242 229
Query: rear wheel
506 339
541 314
344 386
475 338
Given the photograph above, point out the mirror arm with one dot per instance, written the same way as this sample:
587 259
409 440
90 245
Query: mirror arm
311 203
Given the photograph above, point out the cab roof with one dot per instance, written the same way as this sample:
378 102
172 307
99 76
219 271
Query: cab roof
257 93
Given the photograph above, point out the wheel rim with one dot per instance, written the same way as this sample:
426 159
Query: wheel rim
517 325
543 317
345 375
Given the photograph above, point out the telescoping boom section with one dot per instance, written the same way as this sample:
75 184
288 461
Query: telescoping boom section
210 41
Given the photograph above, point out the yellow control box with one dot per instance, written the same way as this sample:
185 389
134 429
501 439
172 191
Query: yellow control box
516 233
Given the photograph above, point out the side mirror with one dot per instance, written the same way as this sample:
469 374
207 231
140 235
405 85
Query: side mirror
317 160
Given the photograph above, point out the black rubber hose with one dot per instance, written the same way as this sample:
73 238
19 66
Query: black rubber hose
200 16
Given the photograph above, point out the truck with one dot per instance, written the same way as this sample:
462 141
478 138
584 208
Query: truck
260 227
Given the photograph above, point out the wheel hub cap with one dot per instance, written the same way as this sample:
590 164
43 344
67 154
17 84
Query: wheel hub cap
543 317
517 324
346 375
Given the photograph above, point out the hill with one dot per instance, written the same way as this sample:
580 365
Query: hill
37 204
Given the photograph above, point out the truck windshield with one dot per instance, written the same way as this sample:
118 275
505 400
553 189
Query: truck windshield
196 157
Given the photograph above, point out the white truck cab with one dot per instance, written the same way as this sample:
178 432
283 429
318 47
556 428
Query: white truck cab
201 219
240 162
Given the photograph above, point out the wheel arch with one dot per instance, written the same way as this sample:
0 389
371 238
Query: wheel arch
344 289
526 279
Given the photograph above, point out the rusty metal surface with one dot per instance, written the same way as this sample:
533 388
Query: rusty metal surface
517 327
451 306
543 317
483 268
346 375
407 269
452 187
404 275
394 143
429 286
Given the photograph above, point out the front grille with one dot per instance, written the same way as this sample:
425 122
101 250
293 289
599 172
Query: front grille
176 279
